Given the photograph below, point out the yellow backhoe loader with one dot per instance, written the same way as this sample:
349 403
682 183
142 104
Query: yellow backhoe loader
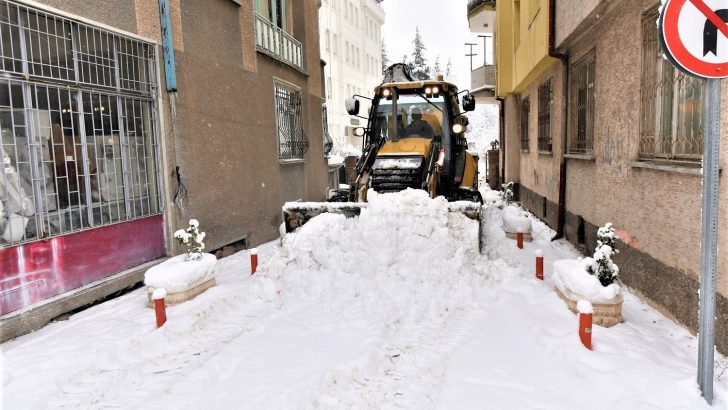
415 138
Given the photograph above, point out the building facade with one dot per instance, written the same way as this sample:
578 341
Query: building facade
601 128
351 44
112 141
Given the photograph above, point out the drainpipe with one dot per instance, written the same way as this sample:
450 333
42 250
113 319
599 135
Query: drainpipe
564 58
502 136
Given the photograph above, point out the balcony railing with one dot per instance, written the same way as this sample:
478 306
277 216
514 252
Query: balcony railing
275 42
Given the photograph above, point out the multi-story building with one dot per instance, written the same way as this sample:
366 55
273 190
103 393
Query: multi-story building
599 127
351 46
481 20
122 121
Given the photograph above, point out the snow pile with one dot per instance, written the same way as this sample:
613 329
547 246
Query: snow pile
515 220
178 274
334 160
571 277
483 128
404 262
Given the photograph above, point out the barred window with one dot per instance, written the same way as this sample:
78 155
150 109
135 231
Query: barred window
581 105
77 126
292 141
544 116
671 108
525 111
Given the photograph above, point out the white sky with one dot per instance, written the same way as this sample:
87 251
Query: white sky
444 29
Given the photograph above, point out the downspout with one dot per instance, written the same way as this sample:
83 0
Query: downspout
564 58
502 137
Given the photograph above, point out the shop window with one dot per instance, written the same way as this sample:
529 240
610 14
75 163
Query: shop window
581 105
292 140
73 157
671 106
525 113
544 116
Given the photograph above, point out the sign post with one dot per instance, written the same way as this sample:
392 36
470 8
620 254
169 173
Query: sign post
694 36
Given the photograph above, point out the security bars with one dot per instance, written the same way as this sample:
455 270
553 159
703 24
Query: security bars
77 120
292 141
581 102
544 116
525 111
671 126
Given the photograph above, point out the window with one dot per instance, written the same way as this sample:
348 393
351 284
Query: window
671 104
544 116
273 10
78 139
517 23
348 51
525 111
328 142
328 40
336 44
292 140
581 105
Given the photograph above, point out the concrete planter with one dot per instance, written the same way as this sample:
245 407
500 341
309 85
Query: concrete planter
606 314
180 278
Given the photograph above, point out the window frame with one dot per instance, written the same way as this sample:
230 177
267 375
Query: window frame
545 113
525 119
296 120
583 69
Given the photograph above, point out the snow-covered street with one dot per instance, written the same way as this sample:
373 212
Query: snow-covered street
393 309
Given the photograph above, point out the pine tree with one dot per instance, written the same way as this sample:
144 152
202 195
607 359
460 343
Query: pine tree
385 57
419 68
436 69
448 69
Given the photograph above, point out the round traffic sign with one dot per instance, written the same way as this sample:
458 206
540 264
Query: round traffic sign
694 36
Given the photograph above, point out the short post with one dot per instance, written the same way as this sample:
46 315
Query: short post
519 239
586 312
159 309
539 264
253 260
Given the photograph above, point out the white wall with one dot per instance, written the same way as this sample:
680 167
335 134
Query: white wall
360 32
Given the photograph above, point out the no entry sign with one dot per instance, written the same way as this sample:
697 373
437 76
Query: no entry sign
694 35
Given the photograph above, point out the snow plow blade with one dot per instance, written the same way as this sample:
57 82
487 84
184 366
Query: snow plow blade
296 214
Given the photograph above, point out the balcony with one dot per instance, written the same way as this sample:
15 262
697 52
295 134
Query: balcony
273 41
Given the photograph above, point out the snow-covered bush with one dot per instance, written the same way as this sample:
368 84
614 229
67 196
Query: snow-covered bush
601 264
507 193
193 239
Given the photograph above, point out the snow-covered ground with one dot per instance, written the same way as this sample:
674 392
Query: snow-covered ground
394 309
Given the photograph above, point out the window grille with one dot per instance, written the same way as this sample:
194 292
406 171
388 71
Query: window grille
77 134
544 116
582 81
671 104
525 110
328 142
292 141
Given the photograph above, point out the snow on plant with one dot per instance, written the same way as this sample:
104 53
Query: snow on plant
601 265
507 193
192 238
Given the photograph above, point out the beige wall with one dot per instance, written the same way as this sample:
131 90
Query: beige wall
660 209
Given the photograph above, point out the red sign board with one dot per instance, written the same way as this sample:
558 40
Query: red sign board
694 36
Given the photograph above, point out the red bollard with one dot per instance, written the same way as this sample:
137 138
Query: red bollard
253 260
159 308
519 239
539 264
585 322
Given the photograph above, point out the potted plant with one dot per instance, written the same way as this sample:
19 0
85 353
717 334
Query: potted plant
515 220
184 276
593 279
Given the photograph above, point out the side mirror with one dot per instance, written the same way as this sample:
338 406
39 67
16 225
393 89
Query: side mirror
359 131
352 106
468 102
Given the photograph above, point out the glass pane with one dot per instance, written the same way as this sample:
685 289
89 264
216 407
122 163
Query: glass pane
689 121
10 39
140 151
48 46
96 56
